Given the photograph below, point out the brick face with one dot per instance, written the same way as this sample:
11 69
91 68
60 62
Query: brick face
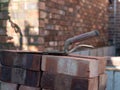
46 25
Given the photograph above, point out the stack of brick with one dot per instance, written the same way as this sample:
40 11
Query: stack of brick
73 73
46 25
35 71
21 70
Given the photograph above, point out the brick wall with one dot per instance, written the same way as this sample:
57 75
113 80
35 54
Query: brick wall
111 25
114 22
40 25
117 23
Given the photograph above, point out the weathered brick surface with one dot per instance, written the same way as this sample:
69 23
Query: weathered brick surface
82 67
64 82
102 61
46 25
54 73
7 86
19 76
24 60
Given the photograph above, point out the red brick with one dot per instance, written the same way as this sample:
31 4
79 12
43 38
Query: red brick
43 14
102 61
65 82
81 67
21 59
73 17
41 40
42 5
41 23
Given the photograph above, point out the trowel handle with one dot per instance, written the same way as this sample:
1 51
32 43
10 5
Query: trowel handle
79 38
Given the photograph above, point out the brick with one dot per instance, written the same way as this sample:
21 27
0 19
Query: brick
5 74
102 81
7 86
41 40
70 9
19 76
42 5
88 84
41 23
48 80
52 81
32 78
43 14
21 59
2 31
8 57
81 67
102 61
22 87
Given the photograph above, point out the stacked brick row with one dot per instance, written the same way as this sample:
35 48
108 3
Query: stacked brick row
35 71
45 25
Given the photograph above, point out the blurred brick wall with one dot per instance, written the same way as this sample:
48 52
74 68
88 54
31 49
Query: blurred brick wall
111 24
47 24
117 24
114 23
